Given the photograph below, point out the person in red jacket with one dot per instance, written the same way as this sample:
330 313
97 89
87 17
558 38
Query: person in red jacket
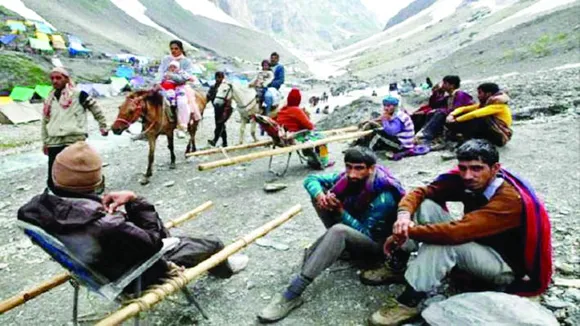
292 117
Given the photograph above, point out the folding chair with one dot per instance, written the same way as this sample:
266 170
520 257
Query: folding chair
283 138
92 280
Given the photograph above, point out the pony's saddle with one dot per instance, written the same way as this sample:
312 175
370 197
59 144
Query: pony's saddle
280 136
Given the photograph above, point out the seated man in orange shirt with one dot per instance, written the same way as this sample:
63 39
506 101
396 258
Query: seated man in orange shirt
491 119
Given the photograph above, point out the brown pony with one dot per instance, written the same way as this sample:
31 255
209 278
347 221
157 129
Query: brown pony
151 108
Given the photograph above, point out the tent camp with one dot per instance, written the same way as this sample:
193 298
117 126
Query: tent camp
7 39
16 26
58 42
42 36
118 84
21 94
75 48
16 113
42 90
5 100
125 72
40 45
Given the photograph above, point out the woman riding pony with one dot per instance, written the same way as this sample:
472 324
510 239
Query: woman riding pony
185 96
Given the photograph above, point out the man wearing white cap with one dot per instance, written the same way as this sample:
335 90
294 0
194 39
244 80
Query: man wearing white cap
64 119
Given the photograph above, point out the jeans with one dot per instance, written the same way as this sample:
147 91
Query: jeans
434 262
338 238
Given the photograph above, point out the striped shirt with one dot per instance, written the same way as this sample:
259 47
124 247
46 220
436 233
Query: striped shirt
401 126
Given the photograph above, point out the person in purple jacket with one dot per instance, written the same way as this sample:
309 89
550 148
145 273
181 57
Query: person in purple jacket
457 98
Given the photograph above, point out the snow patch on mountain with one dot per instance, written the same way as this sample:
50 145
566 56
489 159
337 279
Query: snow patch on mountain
207 9
136 10
20 8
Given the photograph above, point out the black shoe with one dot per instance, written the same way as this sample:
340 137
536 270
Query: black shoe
398 260
211 143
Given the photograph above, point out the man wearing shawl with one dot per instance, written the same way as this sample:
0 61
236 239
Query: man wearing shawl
503 239
358 208
64 117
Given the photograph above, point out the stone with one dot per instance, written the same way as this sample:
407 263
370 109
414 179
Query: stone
556 303
105 164
169 184
488 308
565 268
263 242
274 187
572 294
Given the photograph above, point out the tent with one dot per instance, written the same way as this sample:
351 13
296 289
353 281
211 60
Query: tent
125 72
137 82
74 39
96 90
43 28
43 90
16 26
5 100
58 42
118 84
42 36
196 69
18 113
7 39
21 94
40 45
75 48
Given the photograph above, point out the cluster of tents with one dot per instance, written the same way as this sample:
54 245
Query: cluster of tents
42 37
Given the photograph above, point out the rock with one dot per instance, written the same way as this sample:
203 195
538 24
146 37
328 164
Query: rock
572 294
105 164
274 187
3 266
434 299
564 268
250 285
448 156
169 184
488 308
555 303
263 242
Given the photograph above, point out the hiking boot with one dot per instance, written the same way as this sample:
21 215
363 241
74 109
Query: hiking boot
393 313
279 308
382 275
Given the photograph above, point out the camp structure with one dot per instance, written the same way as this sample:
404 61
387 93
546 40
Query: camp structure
77 49
21 94
43 28
97 90
7 39
16 26
5 100
42 36
41 91
118 85
17 113
124 72
58 42
40 45
137 82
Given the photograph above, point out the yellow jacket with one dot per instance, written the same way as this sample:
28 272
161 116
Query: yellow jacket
466 113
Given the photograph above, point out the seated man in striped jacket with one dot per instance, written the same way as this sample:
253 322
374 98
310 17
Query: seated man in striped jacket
358 208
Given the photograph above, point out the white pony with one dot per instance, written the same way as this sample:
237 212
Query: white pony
246 104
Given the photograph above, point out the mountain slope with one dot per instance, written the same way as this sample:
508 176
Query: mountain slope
306 25
411 10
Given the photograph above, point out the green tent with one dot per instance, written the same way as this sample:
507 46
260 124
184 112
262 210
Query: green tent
40 44
43 90
21 94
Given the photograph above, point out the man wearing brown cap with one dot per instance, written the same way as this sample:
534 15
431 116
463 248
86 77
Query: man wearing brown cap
64 119
109 241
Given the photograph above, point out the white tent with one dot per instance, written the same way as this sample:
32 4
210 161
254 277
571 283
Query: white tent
16 113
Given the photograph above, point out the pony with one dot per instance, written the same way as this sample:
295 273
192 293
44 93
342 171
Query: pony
154 111
247 105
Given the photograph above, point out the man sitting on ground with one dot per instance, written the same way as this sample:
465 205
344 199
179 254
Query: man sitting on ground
433 128
358 208
503 239
108 241
491 119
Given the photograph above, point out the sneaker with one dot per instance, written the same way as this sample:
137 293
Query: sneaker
279 308
393 313
211 142
382 275
238 262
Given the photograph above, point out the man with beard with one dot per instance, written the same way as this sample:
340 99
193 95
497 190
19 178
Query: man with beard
502 240
358 209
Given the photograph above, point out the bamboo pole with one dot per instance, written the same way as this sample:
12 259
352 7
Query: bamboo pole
278 151
59 279
263 143
152 298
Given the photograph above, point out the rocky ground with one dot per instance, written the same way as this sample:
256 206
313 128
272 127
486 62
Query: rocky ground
544 150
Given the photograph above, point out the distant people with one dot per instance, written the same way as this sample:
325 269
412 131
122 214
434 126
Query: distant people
433 128
64 117
358 209
276 83
491 119
428 84
502 240
262 79
374 94
105 239
324 97
222 111
185 96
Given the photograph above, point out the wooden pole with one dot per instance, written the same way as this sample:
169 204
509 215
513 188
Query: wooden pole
278 151
153 297
59 279
263 143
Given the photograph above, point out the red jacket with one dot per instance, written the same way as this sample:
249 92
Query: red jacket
294 119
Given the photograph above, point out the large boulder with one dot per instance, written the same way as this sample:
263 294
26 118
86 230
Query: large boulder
488 308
